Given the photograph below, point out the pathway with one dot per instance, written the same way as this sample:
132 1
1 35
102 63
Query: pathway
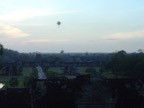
41 74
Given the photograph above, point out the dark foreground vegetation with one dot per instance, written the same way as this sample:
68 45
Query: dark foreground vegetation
73 80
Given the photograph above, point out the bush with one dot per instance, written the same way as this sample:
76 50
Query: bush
51 74
26 81
13 82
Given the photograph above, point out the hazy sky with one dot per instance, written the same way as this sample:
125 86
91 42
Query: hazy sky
86 25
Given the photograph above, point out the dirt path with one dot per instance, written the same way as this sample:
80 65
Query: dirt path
41 74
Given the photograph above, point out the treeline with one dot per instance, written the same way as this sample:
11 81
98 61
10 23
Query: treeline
120 63
126 64
10 56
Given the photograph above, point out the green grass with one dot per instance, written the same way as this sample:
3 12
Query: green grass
81 70
110 75
59 70
5 80
26 72
56 69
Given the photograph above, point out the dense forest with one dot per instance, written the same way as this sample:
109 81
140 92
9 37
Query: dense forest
126 64
119 63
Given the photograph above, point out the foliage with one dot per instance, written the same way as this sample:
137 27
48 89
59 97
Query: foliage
62 51
46 67
55 69
102 69
13 82
63 77
38 58
27 81
27 71
34 74
11 56
19 69
1 49
124 64
51 74
29 75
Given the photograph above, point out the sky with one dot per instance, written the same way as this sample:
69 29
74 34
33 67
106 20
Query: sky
86 25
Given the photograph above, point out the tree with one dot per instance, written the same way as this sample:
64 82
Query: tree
13 82
38 58
140 51
129 65
28 81
19 69
46 67
118 62
14 70
1 49
62 52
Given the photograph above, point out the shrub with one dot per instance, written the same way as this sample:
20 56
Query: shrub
13 82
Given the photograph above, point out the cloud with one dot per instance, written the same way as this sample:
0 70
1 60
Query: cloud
21 15
10 31
126 35
45 41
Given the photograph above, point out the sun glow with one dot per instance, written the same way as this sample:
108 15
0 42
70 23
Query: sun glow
1 85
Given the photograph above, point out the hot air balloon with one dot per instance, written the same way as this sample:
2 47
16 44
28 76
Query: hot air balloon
58 23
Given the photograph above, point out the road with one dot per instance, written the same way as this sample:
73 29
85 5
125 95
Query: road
41 74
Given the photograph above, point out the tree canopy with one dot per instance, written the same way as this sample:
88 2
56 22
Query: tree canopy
126 64
1 49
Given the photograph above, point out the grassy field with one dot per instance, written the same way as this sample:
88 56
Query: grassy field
5 80
59 70
110 75
26 72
